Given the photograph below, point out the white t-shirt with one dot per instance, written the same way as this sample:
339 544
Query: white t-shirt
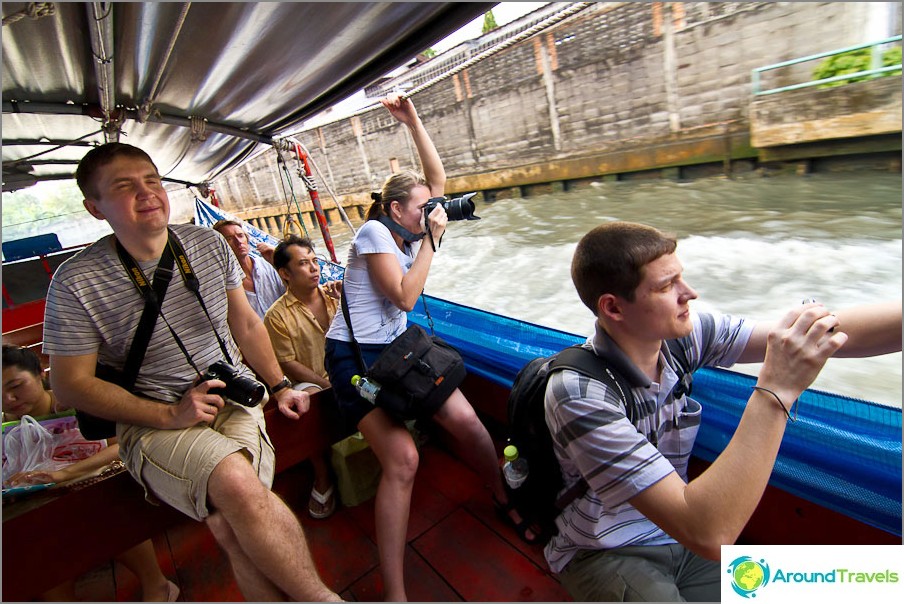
375 319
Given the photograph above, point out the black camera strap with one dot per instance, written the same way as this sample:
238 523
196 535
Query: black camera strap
142 337
399 230
407 235
153 299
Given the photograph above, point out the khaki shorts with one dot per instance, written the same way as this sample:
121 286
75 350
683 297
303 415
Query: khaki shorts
174 466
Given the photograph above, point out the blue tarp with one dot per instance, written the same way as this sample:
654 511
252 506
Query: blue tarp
841 453
207 215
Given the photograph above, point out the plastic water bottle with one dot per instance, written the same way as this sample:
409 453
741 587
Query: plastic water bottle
368 389
515 468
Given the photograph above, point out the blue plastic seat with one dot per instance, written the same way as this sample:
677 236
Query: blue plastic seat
27 247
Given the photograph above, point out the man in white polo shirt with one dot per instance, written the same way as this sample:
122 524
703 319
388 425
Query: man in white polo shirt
262 284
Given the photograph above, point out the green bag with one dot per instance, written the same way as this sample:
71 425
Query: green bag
357 470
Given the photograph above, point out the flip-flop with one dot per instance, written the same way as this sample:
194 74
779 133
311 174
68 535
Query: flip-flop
521 528
172 591
328 500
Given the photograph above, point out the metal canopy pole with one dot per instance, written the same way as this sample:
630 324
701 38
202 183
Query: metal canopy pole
100 26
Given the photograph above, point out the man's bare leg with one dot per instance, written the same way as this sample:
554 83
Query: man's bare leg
142 561
267 533
255 587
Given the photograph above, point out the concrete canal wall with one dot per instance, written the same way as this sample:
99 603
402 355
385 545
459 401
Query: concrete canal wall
621 90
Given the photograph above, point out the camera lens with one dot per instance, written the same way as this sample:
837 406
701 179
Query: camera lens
239 388
246 391
459 208
456 209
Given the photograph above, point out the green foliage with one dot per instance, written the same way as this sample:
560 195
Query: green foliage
489 22
429 53
852 62
890 57
54 206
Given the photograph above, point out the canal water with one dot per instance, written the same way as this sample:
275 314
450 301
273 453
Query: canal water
752 246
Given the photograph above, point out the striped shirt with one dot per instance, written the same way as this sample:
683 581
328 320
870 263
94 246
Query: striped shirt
93 307
620 452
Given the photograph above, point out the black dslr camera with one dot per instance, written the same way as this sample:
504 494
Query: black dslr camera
460 208
239 389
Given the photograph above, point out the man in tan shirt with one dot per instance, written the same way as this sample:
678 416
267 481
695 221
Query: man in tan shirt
297 323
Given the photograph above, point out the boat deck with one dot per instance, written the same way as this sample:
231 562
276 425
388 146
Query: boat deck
458 549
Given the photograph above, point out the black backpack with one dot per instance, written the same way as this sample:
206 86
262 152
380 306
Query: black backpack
537 500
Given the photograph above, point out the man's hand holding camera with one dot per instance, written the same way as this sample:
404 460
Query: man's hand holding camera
197 405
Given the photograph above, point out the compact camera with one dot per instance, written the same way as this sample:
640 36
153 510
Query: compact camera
239 388
459 208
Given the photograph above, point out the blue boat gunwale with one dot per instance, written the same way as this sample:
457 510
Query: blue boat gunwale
862 481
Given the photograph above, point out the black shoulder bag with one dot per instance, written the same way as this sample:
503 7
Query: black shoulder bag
417 372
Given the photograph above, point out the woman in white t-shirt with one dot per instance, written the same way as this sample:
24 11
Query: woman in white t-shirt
387 268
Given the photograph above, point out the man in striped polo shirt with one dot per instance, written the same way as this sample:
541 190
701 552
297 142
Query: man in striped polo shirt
641 531
187 447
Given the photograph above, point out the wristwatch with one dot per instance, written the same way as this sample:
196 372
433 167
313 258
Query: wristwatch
283 383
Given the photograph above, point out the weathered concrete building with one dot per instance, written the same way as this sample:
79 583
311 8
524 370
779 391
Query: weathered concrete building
620 90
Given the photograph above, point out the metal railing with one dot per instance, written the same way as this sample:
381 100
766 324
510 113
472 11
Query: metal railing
875 68
463 52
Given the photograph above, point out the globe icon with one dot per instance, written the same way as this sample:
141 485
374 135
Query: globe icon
748 575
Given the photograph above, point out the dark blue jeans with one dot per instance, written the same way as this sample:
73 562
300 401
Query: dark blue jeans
341 364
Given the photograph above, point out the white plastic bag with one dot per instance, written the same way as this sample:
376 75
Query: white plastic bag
30 446
26 447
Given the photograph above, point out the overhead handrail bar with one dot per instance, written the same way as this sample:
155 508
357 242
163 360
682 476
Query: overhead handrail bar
164 118
100 17
74 143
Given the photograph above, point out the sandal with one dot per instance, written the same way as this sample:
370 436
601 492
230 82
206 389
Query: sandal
322 505
172 592
521 528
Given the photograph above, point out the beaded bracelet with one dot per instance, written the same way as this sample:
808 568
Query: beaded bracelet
780 403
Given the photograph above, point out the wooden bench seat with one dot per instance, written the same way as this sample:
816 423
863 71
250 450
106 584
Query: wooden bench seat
25 336
77 530
31 337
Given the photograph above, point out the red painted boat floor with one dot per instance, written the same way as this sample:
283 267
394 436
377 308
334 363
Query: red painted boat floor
458 549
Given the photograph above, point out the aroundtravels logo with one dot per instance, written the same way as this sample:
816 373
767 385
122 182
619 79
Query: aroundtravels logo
795 573
748 575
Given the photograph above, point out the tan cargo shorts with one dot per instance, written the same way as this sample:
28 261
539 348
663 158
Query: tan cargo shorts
174 466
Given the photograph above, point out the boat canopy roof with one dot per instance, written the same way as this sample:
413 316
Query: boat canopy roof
201 86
